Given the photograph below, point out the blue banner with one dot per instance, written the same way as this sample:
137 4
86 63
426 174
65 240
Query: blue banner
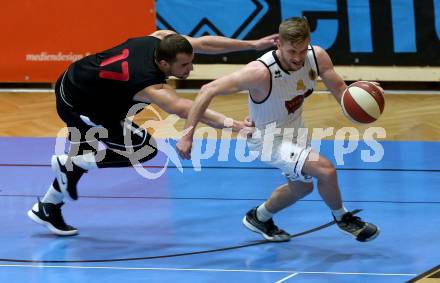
361 32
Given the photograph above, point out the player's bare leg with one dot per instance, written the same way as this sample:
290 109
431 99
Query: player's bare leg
259 219
322 169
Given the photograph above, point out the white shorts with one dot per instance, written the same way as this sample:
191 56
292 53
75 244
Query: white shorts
283 152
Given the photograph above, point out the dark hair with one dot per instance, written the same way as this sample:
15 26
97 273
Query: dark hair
170 46
294 30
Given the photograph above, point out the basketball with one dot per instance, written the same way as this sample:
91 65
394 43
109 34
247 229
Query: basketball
363 102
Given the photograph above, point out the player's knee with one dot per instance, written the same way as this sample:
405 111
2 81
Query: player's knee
326 170
300 189
304 191
307 190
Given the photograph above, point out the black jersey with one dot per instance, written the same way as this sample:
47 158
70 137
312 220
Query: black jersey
104 84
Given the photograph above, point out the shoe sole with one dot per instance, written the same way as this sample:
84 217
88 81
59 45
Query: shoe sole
57 170
366 240
49 226
254 229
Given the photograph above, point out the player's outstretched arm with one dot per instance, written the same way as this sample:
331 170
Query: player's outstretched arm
218 44
167 99
332 80
247 78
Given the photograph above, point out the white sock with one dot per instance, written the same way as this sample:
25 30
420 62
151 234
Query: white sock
263 214
85 161
339 212
53 196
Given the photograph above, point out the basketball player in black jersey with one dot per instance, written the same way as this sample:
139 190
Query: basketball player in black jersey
94 95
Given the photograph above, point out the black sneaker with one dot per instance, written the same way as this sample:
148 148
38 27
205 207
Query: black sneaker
268 229
49 215
67 179
355 227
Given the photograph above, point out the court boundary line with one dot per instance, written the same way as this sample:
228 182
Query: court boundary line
206 270
240 167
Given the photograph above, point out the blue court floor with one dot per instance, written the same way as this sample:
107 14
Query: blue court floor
186 226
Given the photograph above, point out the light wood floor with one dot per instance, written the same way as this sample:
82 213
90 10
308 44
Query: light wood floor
406 117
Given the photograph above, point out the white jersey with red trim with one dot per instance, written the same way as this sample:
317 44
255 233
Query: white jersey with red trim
286 92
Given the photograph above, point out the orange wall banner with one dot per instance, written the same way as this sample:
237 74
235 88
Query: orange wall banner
39 39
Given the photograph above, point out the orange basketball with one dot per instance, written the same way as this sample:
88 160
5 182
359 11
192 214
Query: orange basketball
363 102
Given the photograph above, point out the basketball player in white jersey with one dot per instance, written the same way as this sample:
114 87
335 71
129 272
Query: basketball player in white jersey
278 82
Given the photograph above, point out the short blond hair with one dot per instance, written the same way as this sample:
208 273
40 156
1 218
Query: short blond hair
294 30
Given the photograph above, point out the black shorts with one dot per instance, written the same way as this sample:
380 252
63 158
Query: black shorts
115 134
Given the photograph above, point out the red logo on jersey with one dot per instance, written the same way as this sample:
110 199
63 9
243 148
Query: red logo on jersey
293 104
296 102
109 75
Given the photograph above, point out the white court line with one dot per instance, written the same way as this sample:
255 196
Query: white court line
202 269
287 277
